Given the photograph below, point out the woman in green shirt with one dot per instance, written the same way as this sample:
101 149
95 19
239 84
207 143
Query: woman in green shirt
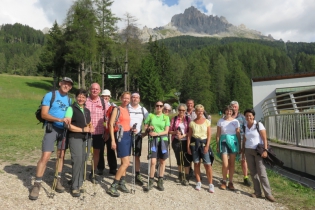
158 125
78 132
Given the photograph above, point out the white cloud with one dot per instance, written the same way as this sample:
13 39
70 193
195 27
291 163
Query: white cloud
287 19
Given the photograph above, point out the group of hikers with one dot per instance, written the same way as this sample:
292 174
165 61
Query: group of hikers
92 121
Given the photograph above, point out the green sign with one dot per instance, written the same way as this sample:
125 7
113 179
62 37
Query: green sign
114 76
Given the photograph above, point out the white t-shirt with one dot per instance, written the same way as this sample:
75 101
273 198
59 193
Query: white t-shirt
228 127
182 128
136 116
253 138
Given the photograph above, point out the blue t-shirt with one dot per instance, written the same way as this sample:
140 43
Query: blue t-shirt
58 107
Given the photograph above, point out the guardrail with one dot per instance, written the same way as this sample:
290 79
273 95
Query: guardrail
290 118
297 129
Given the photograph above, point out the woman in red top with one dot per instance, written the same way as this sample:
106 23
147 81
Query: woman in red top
121 144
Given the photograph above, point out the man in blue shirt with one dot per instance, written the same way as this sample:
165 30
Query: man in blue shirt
55 120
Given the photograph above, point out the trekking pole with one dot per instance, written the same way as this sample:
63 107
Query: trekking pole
169 154
53 188
133 188
146 189
181 156
85 164
92 162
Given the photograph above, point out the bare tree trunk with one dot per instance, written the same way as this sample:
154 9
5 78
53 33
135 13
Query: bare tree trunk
126 71
79 77
103 70
83 75
91 74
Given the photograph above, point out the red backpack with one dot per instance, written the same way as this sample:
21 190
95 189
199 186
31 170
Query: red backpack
108 116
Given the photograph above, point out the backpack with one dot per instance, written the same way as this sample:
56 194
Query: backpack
38 113
108 115
186 118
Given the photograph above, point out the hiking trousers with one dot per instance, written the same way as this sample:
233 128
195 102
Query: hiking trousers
78 156
258 172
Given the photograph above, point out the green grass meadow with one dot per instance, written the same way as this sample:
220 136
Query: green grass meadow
20 136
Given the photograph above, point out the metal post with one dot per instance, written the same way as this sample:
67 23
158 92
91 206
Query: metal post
297 129
126 69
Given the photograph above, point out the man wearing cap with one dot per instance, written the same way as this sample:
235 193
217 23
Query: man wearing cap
137 115
241 118
54 130
111 155
97 110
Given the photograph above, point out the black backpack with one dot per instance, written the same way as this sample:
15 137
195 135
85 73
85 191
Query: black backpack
38 113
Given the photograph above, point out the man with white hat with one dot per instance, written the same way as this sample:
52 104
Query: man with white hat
111 155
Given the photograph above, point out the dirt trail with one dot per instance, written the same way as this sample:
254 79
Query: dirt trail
16 180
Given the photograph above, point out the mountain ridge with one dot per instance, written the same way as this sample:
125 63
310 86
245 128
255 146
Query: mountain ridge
195 23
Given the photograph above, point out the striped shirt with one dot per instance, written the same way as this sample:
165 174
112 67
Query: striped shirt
97 114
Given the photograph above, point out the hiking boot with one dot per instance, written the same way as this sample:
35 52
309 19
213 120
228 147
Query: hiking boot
112 191
150 184
211 188
179 179
100 172
223 185
113 172
122 186
198 186
93 179
82 190
160 184
270 198
59 188
191 172
247 182
231 186
75 193
35 191
139 180
185 182
255 196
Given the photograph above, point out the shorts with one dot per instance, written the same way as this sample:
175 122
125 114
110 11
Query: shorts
226 150
124 146
158 154
198 154
138 145
50 138
178 148
98 142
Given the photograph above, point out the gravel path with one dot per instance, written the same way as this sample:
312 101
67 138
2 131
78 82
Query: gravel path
16 181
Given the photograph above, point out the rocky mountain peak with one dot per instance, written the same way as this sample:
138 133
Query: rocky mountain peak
192 20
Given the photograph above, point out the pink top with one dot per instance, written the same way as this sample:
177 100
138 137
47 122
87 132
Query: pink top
97 114
174 127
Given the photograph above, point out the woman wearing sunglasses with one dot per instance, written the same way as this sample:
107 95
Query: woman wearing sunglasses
179 130
158 126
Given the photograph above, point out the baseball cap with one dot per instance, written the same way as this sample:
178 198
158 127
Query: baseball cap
67 79
106 92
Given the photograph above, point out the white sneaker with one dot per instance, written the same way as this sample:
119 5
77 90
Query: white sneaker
211 188
198 186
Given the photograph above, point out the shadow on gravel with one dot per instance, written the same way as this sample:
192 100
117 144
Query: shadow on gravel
27 173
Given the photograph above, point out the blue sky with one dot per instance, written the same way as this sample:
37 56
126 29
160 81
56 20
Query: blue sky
286 19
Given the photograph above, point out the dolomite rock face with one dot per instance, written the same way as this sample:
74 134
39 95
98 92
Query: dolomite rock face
195 23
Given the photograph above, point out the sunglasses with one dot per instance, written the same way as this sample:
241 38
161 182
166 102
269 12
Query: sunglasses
159 105
168 110
181 110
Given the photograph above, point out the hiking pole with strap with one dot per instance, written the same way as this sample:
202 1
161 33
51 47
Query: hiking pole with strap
169 154
85 164
146 189
92 162
53 188
133 188
181 156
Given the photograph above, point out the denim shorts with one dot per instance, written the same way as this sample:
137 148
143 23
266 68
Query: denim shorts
226 150
124 146
198 154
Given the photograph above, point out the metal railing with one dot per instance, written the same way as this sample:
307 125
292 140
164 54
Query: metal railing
290 118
